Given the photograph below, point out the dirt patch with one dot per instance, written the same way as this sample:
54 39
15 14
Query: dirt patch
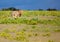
31 33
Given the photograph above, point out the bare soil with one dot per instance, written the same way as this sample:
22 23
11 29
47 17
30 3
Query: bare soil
54 36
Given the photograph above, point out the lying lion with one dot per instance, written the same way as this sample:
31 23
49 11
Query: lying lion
16 14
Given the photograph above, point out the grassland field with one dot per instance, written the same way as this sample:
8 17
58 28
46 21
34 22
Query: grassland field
32 26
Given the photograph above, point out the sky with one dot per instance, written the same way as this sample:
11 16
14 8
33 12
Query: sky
30 4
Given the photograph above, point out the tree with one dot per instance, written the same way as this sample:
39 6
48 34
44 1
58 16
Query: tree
40 9
49 9
11 9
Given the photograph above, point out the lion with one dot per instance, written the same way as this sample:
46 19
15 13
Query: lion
16 14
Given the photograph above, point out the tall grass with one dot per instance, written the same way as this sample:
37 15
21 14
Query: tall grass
30 17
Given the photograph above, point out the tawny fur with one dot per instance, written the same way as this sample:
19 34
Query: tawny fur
16 14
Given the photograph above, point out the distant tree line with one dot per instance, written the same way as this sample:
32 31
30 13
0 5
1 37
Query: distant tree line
49 9
9 9
13 9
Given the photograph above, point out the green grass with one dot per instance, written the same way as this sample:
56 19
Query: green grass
34 25
25 34
50 41
5 35
30 17
57 30
46 35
